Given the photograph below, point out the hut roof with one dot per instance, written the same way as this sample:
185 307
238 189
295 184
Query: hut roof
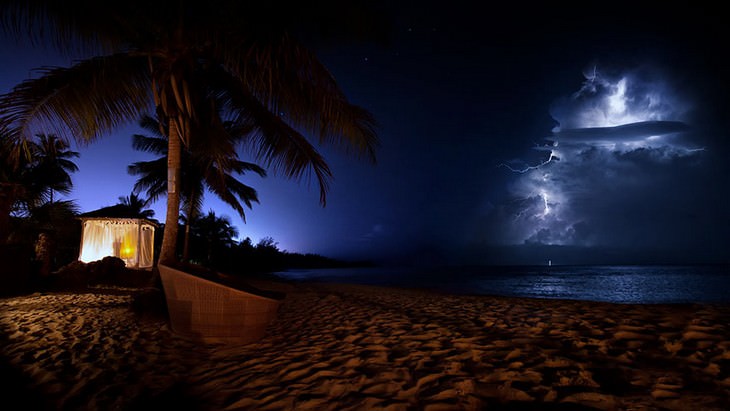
115 211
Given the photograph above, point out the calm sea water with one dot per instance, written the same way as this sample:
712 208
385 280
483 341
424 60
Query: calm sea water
619 284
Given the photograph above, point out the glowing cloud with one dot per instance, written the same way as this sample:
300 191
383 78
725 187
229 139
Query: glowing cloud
629 97
640 130
609 133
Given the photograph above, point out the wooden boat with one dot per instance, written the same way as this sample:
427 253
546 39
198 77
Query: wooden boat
211 312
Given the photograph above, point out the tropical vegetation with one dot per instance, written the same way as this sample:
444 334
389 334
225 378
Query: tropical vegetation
136 206
213 246
34 224
195 64
52 164
207 164
28 181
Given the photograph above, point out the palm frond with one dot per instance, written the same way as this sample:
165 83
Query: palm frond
193 197
244 192
53 211
232 192
84 101
149 181
154 145
290 81
151 125
68 165
212 145
81 26
241 167
278 145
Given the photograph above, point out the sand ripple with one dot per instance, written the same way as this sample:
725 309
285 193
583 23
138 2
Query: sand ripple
341 347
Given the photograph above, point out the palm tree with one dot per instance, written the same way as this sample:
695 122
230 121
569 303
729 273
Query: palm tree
136 206
14 184
52 165
208 164
194 63
58 233
215 231
29 174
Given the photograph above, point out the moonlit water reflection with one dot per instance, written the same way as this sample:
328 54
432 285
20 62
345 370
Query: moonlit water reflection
619 284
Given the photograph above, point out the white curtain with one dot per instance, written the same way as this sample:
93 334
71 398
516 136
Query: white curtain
146 244
118 238
97 241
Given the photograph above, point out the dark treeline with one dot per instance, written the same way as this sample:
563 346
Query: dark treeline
48 240
264 257
212 246
40 233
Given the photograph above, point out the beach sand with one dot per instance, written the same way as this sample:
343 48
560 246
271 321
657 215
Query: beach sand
347 347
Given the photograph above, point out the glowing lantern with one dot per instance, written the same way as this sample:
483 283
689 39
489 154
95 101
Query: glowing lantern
128 249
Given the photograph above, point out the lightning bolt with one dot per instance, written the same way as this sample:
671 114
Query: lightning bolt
552 157
546 210
544 196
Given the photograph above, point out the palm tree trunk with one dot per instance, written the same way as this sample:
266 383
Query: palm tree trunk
186 243
169 237
188 221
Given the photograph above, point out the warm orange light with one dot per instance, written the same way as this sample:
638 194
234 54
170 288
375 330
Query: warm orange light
128 249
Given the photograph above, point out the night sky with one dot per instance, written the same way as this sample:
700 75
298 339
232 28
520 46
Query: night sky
509 135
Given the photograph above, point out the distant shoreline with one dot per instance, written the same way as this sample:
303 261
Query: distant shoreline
648 284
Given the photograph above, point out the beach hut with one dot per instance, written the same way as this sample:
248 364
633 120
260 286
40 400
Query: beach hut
112 231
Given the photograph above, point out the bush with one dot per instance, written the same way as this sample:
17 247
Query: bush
73 275
109 271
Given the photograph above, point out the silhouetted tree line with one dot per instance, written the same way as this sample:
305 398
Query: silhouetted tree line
40 233
265 257
212 246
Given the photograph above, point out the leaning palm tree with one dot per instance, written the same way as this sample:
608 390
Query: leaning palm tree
193 63
209 163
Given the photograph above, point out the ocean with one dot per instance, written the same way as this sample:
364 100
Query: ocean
616 284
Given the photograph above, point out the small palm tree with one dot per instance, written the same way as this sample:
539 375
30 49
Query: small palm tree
211 163
29 175
51 164
136 206
14 184
215 231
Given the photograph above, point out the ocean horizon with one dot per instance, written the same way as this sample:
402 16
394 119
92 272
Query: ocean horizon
628 284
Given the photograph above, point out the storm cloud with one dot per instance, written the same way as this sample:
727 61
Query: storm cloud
619 169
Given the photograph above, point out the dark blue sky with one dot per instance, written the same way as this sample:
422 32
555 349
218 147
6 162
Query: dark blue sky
463 95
